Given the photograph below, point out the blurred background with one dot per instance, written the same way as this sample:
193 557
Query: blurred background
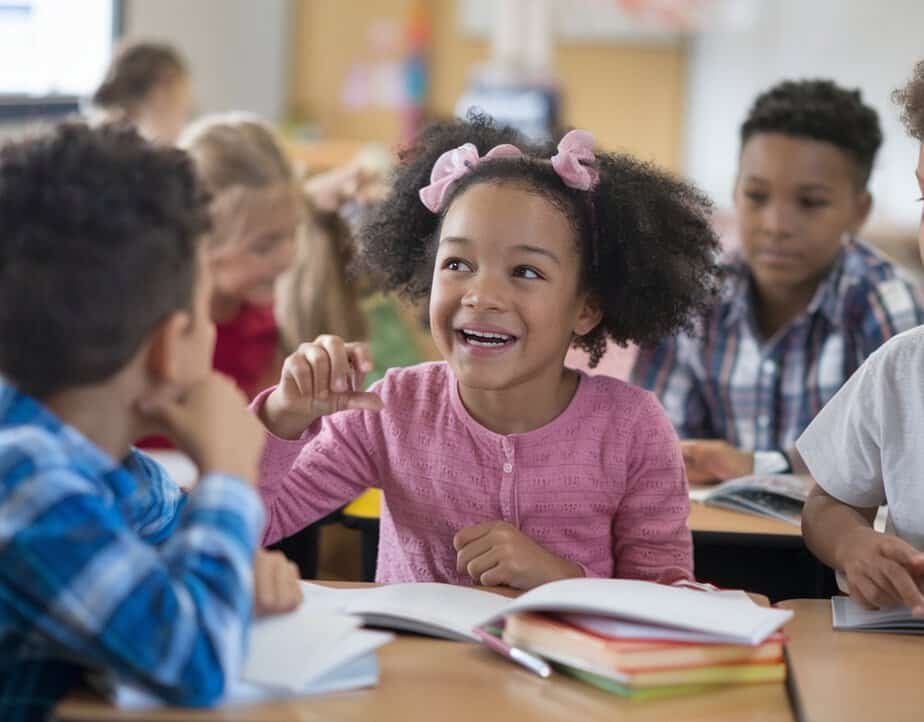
667 80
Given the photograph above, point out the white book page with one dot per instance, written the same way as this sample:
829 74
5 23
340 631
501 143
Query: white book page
722 618
428 607
289 650
847 614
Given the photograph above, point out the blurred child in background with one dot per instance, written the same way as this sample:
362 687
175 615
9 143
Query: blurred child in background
148 86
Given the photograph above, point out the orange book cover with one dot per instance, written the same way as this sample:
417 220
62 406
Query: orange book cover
559 640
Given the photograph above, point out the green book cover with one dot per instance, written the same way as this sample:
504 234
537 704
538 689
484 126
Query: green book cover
636 693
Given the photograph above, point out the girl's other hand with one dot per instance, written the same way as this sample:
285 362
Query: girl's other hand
496 553
319 378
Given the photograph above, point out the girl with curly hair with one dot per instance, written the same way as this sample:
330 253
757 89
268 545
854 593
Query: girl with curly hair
864 450
499 465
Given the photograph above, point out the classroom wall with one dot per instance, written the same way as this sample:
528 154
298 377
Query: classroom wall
859 43
631 97
238 49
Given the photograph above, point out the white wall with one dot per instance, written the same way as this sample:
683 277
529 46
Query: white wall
858 43
238 49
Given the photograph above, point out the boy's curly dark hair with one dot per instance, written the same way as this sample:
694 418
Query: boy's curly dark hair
911 98
99 238
820 110
647 248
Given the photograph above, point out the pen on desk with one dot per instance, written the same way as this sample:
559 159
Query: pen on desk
534 664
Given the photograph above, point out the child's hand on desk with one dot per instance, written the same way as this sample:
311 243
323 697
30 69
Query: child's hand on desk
496 553
275 584
213 425
711 460
882 570
319 378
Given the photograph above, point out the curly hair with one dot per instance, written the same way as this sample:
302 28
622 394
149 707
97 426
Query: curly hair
646 245
819 110
911 98
99 243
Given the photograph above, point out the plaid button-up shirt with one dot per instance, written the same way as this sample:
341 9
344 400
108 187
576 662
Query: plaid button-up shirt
726 382
108 566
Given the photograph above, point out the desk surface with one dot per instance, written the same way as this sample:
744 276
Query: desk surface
726 521
852 676
429 679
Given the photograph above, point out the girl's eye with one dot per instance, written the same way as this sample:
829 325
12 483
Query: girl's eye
756 197
456 264
526 272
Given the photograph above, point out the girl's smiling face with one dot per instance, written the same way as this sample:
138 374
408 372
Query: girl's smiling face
506 299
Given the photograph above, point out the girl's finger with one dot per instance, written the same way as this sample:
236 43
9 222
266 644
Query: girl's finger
319 361
339 363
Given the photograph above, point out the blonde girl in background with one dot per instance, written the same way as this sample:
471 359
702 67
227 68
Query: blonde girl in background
256 210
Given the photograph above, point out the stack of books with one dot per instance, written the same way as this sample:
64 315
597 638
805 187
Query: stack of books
647 660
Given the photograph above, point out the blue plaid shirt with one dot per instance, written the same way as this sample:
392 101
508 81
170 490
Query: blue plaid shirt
110 567
759 394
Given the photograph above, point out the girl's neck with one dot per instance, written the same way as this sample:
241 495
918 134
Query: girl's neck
224 308
524 407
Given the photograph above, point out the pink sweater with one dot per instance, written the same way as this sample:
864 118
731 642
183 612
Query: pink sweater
603 484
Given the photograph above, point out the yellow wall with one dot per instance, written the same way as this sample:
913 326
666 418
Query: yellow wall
630 97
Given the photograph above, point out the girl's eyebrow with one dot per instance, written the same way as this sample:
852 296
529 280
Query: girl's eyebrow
541 251
462 241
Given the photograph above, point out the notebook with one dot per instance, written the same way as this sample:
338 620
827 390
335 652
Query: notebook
450 611
848 615
779 496
301 653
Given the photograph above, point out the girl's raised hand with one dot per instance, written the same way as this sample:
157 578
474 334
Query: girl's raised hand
322 377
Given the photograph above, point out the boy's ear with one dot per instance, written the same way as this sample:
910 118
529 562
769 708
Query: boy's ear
864 207
589 316
163 355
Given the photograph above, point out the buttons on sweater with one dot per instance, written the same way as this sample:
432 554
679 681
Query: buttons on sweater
508 467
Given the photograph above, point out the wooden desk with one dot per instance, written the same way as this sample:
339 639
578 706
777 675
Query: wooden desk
714 520
745 551
852 676
429 679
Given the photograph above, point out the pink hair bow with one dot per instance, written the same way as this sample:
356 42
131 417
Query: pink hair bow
453 165
575 160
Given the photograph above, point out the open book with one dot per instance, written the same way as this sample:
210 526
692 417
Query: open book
301 653
848 615
780 496
452 612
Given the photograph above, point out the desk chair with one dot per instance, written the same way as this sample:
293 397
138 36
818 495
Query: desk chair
363 514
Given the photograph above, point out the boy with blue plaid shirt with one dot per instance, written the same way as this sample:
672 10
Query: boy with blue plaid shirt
104 337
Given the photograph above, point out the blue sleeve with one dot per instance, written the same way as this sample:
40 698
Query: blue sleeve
171 618
158 501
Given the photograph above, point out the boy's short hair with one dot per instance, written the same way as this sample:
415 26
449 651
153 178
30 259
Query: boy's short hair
819 110
911 98
99 234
